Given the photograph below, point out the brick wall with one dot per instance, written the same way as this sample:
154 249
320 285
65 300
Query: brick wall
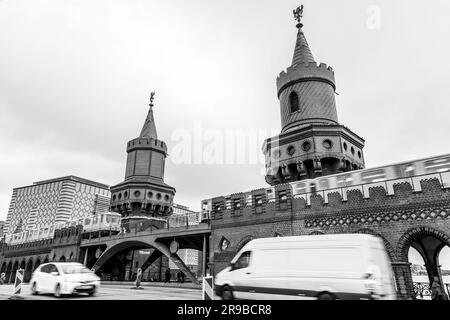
392 217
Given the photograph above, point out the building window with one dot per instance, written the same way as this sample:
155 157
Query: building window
359 154
243 261
306 146
327 144
293 102
137 193
352 150
224 243
237 204
291 150
345 146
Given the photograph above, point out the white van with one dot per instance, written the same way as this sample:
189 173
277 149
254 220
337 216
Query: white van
324 267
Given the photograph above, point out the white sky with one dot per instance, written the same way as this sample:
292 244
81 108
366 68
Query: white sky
75 77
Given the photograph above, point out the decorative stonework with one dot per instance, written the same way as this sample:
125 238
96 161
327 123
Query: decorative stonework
379 218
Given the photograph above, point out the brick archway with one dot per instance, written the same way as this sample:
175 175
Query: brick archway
3 270
390 249
414 233
28 271
243 242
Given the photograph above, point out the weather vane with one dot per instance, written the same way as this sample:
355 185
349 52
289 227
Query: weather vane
298 15
152 96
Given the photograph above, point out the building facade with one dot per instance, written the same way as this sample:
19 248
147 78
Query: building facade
2 225
52 201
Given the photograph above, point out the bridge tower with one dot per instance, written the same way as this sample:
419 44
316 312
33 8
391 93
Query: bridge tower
143 195
312 143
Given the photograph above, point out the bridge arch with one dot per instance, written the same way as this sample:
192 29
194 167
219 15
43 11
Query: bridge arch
411 235
13 271
3 269
37 263
117 248
123 245
390 249
9 271
28 271
428 241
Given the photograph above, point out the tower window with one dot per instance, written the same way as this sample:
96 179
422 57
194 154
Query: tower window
293 102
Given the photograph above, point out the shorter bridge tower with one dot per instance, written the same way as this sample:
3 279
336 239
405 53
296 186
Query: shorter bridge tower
143 195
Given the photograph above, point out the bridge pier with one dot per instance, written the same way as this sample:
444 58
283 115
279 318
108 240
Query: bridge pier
403 280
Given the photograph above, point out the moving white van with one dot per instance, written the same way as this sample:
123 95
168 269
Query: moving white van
324 267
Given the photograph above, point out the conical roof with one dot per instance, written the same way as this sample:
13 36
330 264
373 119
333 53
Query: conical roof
149 128
302 53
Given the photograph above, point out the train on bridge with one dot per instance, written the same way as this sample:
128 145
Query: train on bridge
385 176
100 222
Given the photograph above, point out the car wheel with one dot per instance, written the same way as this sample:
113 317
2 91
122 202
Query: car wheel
227 294
58 291
92 293
326 296
34 289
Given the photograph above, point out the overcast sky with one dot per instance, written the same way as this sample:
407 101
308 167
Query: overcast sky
75 78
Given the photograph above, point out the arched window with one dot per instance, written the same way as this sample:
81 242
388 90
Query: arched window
293 102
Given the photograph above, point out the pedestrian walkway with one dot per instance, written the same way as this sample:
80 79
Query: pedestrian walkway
187 285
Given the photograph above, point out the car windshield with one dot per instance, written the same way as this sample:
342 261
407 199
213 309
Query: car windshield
73 268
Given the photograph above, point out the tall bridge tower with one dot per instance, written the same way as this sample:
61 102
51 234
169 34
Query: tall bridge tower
144 194
312 143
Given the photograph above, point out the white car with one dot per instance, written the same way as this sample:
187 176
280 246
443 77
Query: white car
62 278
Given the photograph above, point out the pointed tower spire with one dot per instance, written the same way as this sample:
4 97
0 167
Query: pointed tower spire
302 52
149 128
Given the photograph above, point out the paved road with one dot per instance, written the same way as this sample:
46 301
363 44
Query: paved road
114 292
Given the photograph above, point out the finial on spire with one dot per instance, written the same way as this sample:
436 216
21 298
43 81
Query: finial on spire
152 96
298 15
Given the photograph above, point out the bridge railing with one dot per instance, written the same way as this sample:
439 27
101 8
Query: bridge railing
183 220
422 290
176 221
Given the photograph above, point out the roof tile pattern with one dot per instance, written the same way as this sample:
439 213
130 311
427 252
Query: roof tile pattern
302 52
149 128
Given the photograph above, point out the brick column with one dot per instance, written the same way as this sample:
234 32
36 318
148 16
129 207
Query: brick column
403 279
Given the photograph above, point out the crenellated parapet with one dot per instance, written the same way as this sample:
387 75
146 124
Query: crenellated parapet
314 205
146 143
310 71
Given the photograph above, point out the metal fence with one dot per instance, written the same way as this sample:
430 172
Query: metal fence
422 290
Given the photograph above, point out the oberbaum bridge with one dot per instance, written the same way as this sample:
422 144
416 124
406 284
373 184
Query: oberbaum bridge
318 185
